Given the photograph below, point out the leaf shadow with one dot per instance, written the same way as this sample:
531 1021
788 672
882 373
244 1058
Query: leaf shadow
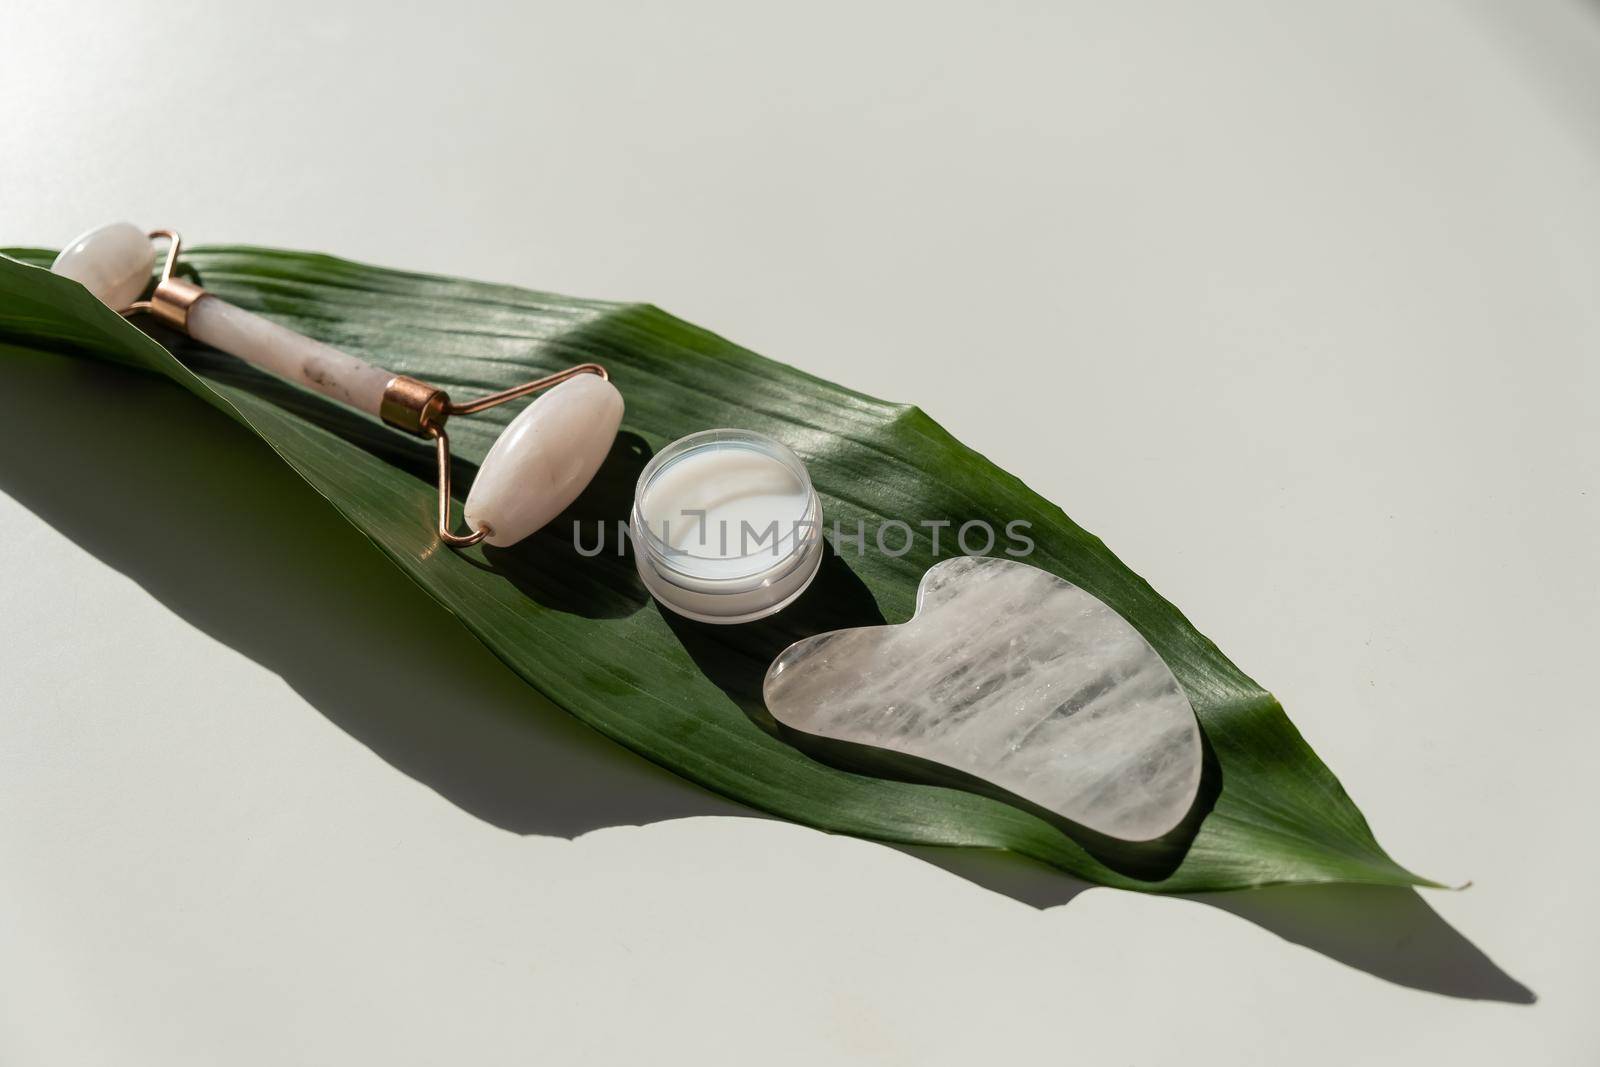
1390 933
211 523
204 517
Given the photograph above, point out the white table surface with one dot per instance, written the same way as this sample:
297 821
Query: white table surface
1294 304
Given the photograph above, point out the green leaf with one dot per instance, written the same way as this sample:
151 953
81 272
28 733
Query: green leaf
583 632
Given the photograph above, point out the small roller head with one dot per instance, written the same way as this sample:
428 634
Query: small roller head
113 262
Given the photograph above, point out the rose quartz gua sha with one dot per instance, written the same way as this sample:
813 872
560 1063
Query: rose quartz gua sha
1009 681
538 465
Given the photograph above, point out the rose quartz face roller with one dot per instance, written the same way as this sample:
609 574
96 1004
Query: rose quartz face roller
538 465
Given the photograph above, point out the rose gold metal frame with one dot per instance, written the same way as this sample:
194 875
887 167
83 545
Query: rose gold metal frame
432 425
172 297
408 404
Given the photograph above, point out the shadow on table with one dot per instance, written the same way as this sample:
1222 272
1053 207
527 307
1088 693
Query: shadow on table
1390 933
206 519
211 523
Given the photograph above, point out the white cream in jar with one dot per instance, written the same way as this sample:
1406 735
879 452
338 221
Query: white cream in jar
726 526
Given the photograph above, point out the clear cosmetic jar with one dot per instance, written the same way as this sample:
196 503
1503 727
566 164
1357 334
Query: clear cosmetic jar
726 526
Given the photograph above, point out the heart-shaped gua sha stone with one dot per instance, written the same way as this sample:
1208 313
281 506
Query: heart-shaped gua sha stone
1010 675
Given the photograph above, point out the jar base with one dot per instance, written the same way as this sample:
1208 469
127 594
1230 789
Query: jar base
661 591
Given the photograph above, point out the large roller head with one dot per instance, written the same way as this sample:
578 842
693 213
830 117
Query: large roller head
544 458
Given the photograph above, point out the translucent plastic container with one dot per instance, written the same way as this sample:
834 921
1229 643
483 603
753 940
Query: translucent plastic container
726 526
